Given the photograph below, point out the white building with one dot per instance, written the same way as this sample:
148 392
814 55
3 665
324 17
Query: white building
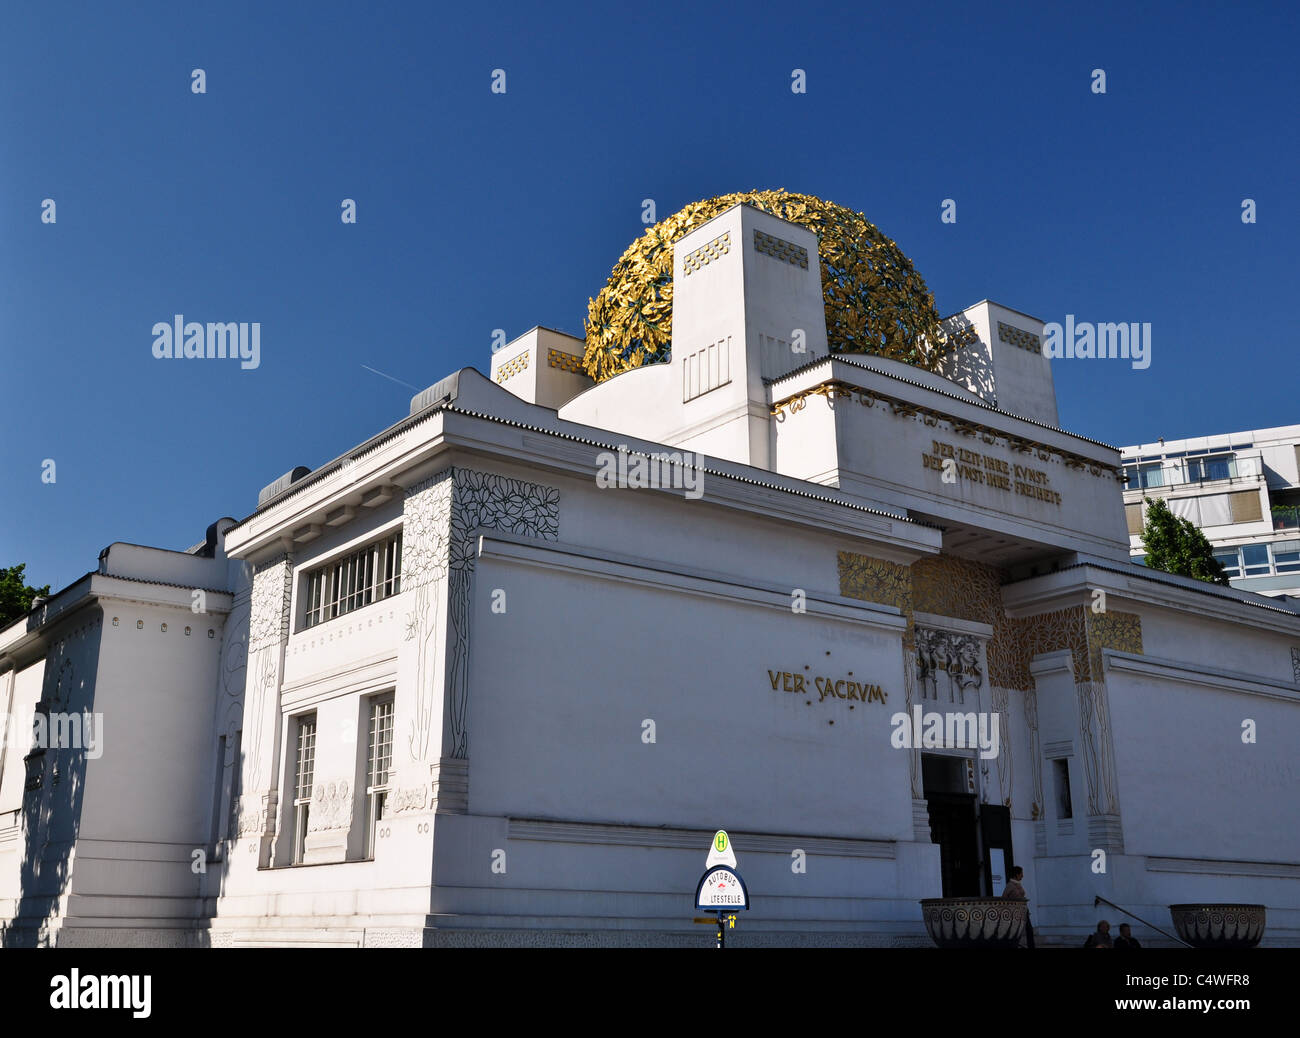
1241 489
450 688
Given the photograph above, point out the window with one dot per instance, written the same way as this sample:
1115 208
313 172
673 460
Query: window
1150 476
236 786
1255 557
1061 771
379 763
1230 561
355 580
303 775
1215 466
1245 507
214 840
1139 560
1286 517
1286 556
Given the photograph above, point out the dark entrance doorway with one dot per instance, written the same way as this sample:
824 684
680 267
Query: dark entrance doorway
952 824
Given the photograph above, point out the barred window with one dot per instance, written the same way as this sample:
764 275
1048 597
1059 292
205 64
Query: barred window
379 764
367 575
304 774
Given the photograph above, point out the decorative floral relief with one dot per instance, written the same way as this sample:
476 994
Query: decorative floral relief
439 543
1088 748
262 688
1111 630
426 527
485 501
252 817
876 580
414 799
1035 755
1006 773
234 651
272 586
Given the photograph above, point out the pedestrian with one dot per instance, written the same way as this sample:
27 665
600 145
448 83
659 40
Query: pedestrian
1100 939
1015 890
1126 938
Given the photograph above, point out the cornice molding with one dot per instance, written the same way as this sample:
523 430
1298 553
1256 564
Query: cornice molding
777 497
1073 586
1206 677
694 839
833 389
568 558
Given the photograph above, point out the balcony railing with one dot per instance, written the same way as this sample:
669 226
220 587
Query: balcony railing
1178 472
1286 517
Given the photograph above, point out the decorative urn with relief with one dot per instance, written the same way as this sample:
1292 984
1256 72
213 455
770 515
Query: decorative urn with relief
1219 926
975 922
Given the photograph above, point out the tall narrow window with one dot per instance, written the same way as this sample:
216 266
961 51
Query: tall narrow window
215 837
1061 771
236 786
304 773
379 762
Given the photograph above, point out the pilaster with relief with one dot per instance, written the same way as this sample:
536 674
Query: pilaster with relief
443 517
268 635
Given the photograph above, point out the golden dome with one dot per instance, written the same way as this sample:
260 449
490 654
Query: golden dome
876 302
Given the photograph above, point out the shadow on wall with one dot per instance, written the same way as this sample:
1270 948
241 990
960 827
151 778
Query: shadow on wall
54 786
969 367
230 721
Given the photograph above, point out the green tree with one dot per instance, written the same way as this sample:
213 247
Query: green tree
1174 545
16 595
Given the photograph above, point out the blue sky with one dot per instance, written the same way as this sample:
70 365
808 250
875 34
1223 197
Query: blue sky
478 211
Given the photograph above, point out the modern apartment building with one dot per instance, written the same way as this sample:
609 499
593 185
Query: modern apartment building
1241 489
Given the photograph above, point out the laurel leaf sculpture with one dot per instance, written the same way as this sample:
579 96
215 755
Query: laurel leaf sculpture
876 301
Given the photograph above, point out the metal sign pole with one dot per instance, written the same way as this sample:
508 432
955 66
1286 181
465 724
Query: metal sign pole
721 890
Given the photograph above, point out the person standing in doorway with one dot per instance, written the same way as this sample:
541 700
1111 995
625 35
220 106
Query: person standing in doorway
1015 890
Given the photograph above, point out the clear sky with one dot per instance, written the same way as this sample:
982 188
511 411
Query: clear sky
479 210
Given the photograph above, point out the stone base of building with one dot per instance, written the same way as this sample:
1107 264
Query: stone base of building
699 936
102 937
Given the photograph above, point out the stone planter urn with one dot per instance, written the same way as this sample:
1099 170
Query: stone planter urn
1219 926
975 922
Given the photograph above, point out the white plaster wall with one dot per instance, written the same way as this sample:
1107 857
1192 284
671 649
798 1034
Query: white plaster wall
1024 378
560 736
1199 791
153 780
1199 641
694 536
804 442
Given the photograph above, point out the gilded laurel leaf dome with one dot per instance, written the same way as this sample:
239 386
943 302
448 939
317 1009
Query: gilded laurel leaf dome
876 301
